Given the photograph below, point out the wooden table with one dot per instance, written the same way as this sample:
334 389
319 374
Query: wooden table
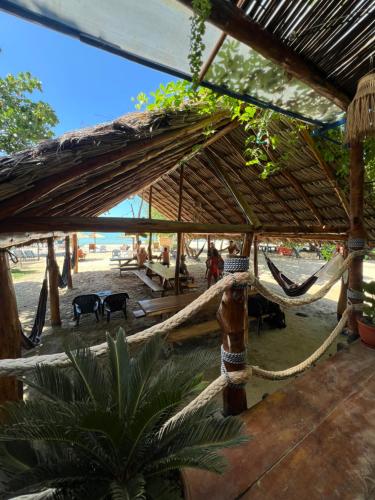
166 305
124 263
166 274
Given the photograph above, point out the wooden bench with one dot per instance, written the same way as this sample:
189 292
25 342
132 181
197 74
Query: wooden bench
155 287
139 314
167 305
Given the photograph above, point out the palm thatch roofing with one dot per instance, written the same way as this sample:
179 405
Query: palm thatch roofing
336 37
87 172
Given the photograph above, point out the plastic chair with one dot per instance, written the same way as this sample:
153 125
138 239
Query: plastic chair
86 304
116 253
115 302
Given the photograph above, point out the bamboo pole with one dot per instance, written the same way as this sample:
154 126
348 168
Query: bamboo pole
342 302
180 235
67 255
54 301
75 252
357 233
10 336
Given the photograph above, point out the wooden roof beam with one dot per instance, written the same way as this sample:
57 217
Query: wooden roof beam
327 170
269 187
119 224
237 195
233 21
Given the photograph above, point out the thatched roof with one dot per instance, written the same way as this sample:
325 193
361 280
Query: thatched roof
335 36
89 171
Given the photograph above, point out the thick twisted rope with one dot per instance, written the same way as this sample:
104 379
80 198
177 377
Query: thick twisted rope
290 372
19 366
210 392
241 377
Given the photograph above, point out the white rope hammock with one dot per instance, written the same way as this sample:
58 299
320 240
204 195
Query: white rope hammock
20 366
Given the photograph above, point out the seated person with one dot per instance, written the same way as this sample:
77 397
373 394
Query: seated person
165 257
141 256
184 269
233 248
81 254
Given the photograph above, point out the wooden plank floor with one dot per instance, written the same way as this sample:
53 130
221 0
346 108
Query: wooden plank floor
314 438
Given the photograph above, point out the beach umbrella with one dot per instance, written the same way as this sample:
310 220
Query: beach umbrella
94 236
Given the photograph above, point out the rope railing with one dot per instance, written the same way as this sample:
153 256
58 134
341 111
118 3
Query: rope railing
20 366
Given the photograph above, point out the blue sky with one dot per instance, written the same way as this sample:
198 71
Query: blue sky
83 84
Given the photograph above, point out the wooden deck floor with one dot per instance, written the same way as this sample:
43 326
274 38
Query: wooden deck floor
314 439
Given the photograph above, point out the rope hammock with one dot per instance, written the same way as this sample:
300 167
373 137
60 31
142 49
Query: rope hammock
63 277
291 288
32 340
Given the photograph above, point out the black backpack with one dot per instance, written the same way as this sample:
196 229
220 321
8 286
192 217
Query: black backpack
259 306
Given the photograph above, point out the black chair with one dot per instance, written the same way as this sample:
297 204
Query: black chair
86 304
115 302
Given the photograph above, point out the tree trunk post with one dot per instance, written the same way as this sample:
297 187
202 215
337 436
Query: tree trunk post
231 317
246 250
10 335
356 236
179 235
256 264
53 282
67 255
150 217
342 302
75 252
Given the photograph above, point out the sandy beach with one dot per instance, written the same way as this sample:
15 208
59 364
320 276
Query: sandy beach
273 349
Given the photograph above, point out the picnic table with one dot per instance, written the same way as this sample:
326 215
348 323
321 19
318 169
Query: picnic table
166 274
166 305
124 263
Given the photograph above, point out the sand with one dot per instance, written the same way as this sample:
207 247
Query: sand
273 349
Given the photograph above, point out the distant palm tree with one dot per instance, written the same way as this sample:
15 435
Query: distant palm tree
96 431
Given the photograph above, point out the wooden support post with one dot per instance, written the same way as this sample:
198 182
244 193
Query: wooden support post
67 255
255 247
342 302
53 281
150 217
246 246
231 317
246 249
357 233
180 235
10 336
75 252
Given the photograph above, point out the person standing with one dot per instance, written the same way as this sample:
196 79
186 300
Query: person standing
233 248
165 259
213 267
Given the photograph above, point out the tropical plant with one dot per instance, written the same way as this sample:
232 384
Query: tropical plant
327 250
99 430
369 305
23 120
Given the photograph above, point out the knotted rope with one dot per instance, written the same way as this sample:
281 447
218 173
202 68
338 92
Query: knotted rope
19 366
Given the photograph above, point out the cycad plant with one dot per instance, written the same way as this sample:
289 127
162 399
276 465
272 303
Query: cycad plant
97 430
